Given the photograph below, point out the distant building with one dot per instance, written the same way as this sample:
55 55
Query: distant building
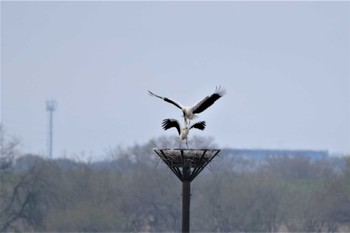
261 154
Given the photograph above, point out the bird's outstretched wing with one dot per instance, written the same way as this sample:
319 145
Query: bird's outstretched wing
166 99
208 101
199 125
169 123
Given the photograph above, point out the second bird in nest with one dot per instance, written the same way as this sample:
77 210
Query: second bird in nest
183 132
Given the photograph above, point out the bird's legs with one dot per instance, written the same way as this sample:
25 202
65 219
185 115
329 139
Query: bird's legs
187 143
185 121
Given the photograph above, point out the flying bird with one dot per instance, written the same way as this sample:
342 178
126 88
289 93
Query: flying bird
183 132
189 112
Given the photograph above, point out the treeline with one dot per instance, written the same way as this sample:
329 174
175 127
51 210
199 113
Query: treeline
134 191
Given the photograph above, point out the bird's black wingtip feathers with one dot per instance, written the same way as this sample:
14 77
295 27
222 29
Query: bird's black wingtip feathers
170 123
220 91
154 95
202 125
165 124
199 125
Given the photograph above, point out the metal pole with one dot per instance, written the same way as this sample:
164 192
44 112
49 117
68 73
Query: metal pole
50 133
50 108
186 194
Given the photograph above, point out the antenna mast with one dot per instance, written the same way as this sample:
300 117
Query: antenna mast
50 108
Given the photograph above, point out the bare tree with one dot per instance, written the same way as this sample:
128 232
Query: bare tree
8 149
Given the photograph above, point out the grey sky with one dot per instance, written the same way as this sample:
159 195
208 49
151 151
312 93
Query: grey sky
285 66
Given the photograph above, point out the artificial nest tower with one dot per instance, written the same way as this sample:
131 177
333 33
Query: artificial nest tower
186 164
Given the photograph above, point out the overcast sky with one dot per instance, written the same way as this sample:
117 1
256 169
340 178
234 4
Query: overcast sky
285 66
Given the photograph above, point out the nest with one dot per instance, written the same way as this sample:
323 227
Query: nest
192 161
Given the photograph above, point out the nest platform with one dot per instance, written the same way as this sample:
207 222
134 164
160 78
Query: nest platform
186 164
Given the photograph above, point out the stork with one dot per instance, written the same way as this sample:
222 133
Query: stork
189 112
183 133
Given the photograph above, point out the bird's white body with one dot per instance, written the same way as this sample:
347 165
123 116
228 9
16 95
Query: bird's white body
184 133
188 113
